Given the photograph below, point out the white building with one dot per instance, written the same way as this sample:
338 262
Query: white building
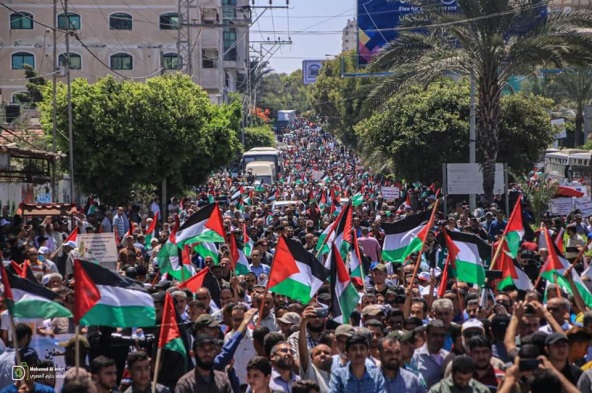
131 38
349 36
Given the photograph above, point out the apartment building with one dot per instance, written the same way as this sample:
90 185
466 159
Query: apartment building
570 4
136 39
349 36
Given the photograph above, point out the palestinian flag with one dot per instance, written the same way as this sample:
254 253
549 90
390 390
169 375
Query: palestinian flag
512 273
202 279
208 249
106 298
555 267
73 236
416 244
344 297
294 272
341 233
515 229
27 299
398 236
248 244
170 334
342 238
453 251
321 244
356 261
357 199
151 231
238 258
472 250
22 271
169 262
203 226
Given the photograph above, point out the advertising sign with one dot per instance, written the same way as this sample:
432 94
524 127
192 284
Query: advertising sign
378 21
310 70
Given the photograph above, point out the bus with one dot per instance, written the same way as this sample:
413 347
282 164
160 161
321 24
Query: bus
267 154
568 164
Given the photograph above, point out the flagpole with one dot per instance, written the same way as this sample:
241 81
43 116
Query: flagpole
557 289
497 252
156 369
580 255
14 339
430 223
547 239
77 348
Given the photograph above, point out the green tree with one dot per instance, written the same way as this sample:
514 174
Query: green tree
259 137
340 100
34 85
129 132
491 40
283 91
574 88
414 146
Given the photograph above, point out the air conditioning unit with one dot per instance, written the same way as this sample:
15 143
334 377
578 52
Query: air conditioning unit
209 16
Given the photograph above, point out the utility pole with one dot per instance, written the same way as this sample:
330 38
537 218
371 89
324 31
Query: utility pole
472 135
54 114
69 98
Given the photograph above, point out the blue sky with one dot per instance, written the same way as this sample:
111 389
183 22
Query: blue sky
314 25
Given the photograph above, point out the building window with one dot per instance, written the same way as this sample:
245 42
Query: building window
21 21
229 9
169 21
122 61
230 44
120 21
74 22
75 61
17 98
19 60
209 58
170 61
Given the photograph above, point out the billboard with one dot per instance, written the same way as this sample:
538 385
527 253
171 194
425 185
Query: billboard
378 21
310 70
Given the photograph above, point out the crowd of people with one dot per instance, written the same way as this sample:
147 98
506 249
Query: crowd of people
238 337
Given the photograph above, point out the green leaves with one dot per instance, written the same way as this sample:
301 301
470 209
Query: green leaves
128 133
419 130
259 137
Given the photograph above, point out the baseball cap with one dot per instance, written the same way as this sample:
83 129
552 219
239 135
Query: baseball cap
555 338
72 341
379 266
290 318
424 276
43 250
403 335
346 330
206 320
473 324
372 310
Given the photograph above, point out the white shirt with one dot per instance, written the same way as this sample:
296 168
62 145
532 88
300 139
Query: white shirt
244 352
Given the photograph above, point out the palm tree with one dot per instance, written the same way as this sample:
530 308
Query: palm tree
488 40
575 87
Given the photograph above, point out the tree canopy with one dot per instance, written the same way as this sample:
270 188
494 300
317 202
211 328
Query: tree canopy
129 132
413 145
489 40
340 100
259 137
